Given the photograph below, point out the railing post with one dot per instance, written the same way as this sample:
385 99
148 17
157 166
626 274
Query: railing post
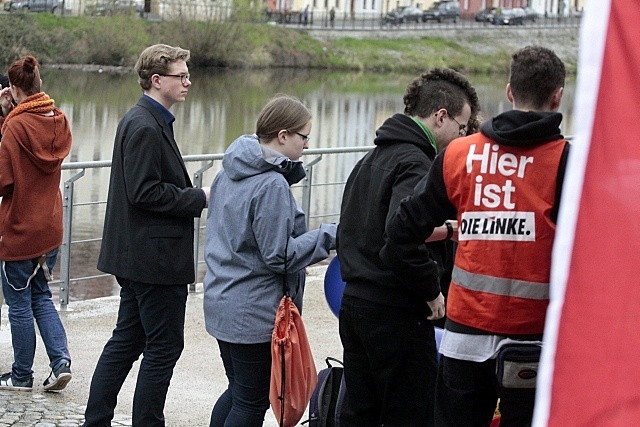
197 183
306 188
65 249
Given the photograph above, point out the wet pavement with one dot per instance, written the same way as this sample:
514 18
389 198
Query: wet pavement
198 378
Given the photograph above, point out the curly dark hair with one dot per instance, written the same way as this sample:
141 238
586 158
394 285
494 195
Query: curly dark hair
441 88
474 123
536 73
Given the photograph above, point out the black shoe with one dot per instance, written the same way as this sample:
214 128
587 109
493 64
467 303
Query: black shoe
59 379
7 383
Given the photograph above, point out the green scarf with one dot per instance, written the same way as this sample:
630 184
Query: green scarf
430 136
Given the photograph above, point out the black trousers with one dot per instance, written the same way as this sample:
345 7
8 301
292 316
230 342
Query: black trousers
246 399
389 365
467 393
150 322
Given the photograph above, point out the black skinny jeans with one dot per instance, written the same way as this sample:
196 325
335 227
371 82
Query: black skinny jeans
467 393
150 322
246 399
389 365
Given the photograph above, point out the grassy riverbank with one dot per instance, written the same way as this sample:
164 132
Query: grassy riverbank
117 41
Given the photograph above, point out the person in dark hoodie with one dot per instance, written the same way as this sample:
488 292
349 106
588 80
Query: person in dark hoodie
36 137
386 322
503 185
256 236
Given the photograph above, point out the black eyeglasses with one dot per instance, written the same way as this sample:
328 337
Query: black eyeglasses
183 77
462 129
305 138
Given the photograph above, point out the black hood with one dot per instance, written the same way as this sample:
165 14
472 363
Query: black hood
401 128
523 128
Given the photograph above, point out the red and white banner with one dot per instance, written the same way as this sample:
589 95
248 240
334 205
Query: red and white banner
589 373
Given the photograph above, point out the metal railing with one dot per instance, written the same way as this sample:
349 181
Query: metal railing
307 186
320 19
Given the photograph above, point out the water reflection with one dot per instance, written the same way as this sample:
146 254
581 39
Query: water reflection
347 108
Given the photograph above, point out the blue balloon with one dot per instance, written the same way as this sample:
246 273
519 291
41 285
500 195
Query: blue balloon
334 286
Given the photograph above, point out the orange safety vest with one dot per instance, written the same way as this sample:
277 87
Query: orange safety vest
504 196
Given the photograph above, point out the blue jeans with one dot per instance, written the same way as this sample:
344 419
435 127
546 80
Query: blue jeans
26 291
390 362
150 322
246 400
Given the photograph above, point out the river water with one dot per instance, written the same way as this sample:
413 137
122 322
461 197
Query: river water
347 108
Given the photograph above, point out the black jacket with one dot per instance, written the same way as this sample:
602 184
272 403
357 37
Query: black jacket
377 184
148 226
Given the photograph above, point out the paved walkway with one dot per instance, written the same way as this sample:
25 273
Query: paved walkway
197 381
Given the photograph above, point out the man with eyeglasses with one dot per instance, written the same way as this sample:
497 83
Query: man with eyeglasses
147 243
386 321
462 127
185 78
503 185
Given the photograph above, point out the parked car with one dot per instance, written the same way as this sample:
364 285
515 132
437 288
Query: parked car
509 17
52 6
402 14
442 11
530 14
114 7
486 15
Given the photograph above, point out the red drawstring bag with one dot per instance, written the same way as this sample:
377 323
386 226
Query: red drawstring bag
293 371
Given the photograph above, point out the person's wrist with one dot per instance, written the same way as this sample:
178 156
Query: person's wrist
449 230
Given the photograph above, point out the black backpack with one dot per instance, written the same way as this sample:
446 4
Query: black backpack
326 401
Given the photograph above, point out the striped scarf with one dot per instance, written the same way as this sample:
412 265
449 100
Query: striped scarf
39 103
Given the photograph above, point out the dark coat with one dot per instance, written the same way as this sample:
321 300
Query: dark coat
377 184
148 226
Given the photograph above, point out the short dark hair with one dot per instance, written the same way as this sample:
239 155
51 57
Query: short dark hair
440 88
536 73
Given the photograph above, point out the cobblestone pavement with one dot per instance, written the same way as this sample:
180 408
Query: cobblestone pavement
31 409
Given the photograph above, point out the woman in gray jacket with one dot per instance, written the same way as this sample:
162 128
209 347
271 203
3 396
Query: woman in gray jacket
256 234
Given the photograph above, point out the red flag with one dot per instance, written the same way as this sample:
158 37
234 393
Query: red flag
590 375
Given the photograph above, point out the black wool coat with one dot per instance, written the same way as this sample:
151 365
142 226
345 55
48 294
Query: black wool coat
149 218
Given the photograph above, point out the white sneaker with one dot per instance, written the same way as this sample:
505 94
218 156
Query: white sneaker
58 380
7 383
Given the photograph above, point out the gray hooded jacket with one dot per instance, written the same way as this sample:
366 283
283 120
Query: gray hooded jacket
252 220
